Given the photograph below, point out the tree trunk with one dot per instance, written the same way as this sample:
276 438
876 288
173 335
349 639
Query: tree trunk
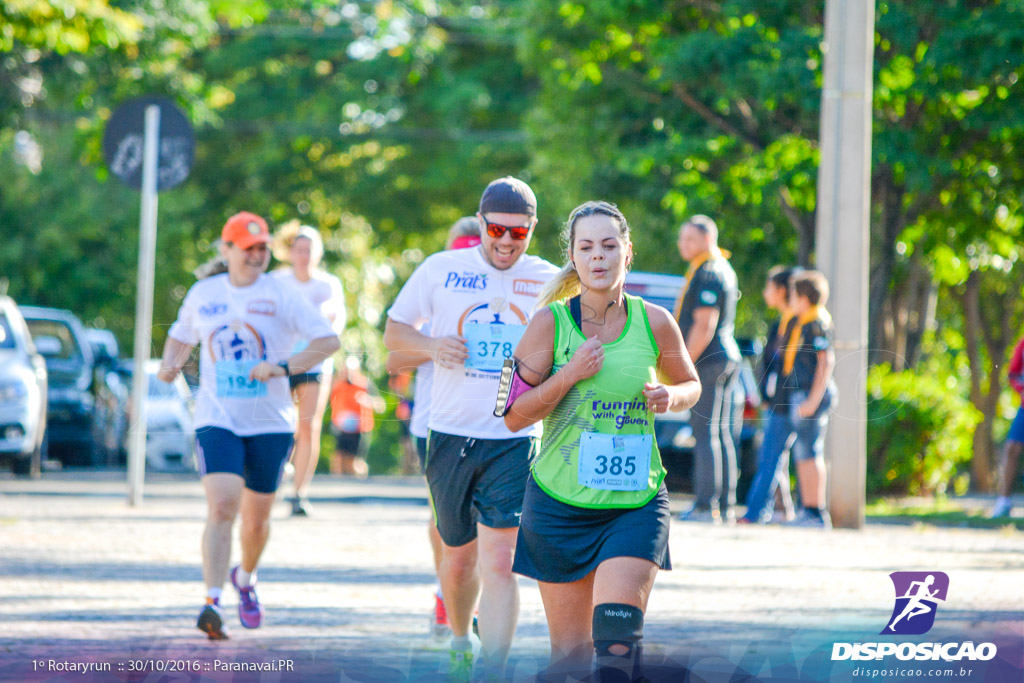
883 254
925 297
982 456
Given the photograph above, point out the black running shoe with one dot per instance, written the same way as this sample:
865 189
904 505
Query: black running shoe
301 507
211 622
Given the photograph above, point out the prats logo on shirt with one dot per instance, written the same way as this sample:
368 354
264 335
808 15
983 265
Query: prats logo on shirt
468 281
262 307
211 310
236 341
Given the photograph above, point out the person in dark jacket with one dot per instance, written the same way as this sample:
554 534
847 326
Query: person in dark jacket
706 312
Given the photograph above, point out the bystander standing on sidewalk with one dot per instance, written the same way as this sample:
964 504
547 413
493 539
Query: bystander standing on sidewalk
706 312
806 379
772 476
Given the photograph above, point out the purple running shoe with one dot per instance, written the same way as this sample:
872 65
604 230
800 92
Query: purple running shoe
250 611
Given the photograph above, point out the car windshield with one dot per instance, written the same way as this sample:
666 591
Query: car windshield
158 389
6 334
59 331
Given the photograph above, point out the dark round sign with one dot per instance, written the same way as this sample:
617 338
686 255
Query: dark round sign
123 143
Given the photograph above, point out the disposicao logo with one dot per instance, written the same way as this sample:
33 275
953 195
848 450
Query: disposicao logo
917 598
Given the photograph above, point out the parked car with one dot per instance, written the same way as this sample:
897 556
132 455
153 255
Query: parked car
23 385
103 343
672 429
170 424
110 421
60 337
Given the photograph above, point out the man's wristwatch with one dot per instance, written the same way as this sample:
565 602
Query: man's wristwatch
284 365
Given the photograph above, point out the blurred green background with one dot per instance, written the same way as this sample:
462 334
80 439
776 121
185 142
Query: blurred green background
380 123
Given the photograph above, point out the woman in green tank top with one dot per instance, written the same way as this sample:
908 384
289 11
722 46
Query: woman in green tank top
594 530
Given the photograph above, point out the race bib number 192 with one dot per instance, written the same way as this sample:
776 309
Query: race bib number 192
233 380
615 463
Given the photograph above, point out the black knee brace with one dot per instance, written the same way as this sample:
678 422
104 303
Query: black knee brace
618 624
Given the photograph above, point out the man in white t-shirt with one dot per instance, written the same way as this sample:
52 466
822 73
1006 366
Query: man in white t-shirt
478 302
246 324
464 234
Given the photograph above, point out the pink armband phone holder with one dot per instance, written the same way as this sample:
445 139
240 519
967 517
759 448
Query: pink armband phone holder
510 387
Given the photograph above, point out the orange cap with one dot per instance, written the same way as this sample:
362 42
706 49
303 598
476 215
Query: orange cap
245 229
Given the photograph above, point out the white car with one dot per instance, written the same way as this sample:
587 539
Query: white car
23 384
170 424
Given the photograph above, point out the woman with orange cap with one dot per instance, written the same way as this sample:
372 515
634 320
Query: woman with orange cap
246 323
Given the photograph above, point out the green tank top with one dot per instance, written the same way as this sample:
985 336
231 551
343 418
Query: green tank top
598 449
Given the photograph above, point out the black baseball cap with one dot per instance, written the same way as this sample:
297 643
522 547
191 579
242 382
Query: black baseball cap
508 195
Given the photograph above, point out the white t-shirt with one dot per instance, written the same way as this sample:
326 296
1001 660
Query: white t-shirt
237 327
461 294
419 425
324 291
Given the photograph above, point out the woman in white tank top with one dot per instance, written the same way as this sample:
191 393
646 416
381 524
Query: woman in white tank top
302 247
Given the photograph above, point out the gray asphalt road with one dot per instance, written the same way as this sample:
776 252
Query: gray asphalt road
86 579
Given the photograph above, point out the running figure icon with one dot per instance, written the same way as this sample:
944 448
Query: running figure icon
916 606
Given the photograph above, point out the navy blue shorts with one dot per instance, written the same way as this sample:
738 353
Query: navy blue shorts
258 459
475 481
1017 427
560 543
303 378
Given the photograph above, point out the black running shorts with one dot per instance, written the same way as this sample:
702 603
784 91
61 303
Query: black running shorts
476 481
560 543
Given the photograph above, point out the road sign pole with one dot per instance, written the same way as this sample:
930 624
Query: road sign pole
144 306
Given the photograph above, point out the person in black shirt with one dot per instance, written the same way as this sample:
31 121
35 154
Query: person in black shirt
772 459
706 311
806 380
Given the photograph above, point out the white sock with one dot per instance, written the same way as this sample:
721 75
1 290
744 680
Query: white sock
214 593
438 593
244 578
462 643
1003 500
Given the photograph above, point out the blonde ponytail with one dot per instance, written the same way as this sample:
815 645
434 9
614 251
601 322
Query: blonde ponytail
215 266
565 285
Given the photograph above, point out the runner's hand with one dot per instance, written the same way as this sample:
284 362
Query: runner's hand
806 410
587 360
165 374
263 371
658 398
450 352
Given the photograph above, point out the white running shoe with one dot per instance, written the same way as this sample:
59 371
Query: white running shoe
1002 508
808 519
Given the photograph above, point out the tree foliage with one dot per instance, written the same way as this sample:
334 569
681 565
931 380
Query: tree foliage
380 122
713 108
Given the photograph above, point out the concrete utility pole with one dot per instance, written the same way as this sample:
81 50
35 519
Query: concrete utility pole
144 308
842 234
